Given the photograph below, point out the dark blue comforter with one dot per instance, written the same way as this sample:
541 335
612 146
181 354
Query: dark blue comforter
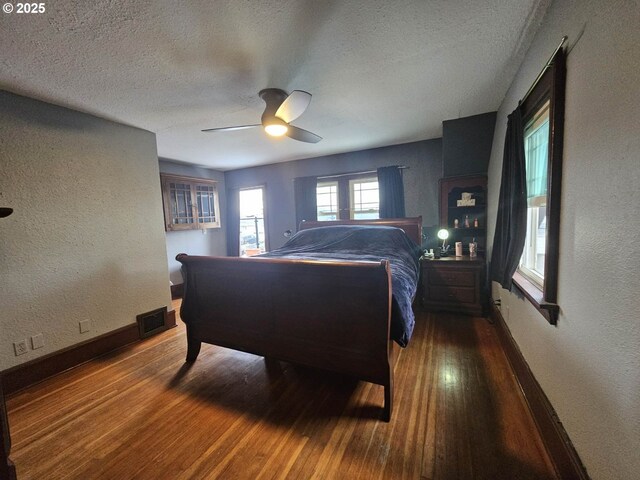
356 242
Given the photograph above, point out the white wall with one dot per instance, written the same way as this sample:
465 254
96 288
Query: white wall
589 365
194 242
86 239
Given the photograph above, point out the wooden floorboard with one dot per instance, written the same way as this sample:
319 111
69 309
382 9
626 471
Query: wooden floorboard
142 413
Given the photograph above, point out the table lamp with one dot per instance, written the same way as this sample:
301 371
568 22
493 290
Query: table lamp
443 234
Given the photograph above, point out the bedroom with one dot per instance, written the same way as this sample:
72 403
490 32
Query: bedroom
71 252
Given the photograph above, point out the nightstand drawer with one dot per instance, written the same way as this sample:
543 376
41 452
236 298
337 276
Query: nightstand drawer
449 276
451 294
453 284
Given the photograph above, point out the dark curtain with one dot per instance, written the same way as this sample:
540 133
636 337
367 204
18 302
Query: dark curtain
233 222
511 223
306 199
391 192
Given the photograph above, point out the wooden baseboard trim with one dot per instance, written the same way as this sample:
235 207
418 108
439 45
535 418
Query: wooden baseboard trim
34 371
177 290
7 468
564 456
170 319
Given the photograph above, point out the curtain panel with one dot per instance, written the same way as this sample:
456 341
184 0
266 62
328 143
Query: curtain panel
391 191
511 223
306 199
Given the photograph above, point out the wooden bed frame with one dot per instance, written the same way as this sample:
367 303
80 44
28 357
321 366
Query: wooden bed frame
333 315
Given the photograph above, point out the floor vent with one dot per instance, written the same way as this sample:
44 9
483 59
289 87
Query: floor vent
152 322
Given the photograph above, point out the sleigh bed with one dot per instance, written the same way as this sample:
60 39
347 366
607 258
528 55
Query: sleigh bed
336 296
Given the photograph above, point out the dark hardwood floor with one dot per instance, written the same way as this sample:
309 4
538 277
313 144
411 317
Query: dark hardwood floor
142 413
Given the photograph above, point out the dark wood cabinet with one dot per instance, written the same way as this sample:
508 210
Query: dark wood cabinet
189 203
453 284
471 215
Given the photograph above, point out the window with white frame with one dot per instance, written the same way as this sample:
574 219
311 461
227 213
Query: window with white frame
536 148
364 198
327 200
348 197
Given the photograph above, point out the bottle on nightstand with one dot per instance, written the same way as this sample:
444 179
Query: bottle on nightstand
473 249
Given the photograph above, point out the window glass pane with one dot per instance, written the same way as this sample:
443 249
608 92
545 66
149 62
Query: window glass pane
252 232
365 199
536 143
327 201
540 226
181 211
205 203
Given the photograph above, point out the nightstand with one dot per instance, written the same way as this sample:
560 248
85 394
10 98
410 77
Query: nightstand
453 284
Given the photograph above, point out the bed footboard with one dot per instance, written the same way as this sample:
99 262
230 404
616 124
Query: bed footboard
331 315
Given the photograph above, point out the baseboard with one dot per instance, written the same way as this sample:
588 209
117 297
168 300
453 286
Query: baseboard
564 456
7 468
177 290
26 374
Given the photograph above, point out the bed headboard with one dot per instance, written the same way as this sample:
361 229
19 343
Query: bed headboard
412 226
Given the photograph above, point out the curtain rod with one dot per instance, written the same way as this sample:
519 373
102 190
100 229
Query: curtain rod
544 69
402 167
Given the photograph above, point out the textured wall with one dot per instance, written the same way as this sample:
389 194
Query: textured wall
589 365
424 160
86 237
466 144
194 242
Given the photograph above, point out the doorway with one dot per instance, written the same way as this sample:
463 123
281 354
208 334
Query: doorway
253 239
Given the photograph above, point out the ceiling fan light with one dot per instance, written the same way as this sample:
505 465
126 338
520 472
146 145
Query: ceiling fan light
276 129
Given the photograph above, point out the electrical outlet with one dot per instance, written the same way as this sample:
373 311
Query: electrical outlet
37 341
85 326
20 347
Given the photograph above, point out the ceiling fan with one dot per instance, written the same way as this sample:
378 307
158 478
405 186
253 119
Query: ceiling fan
280 111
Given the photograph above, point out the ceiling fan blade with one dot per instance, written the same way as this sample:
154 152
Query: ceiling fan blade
230 129
302 135
294 105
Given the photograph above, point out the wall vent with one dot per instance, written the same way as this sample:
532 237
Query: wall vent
152 322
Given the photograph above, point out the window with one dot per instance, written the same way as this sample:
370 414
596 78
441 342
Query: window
536 151
327 200
253 239
543 119
349 197
189 203
365 199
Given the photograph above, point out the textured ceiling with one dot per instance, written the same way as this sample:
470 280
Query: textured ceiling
381 72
